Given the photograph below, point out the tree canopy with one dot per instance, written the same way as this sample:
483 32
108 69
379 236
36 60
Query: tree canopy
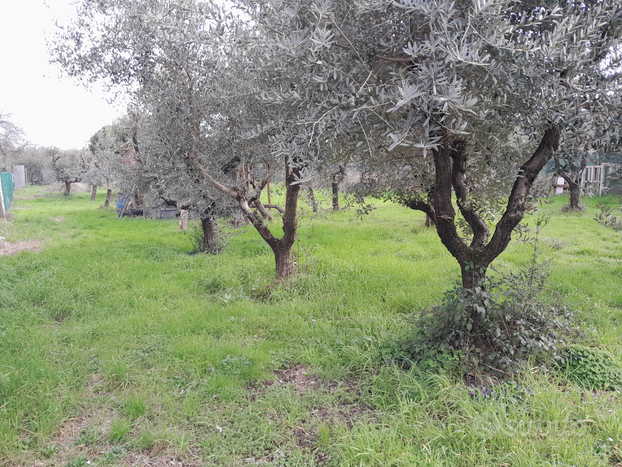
433 97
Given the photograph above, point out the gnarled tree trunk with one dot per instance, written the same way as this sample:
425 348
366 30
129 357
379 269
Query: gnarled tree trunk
281 247
67 188
450 161
93 193
108 197
283 260
210 234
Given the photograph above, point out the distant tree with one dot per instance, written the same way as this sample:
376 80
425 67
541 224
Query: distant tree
69 165
33 158
110 148
11 139
197 83
570 166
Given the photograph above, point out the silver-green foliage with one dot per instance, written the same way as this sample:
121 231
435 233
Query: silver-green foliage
607 217
415 71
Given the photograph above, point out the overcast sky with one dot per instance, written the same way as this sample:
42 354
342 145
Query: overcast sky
51 109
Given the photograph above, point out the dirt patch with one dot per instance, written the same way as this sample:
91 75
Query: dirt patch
345 413
344 407
75 187
307 441
7 248
300 377
57 219
73 441
88 436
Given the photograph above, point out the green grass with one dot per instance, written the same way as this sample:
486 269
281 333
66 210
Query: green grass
115 343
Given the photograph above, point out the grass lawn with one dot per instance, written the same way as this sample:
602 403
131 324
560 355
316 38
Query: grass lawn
117 347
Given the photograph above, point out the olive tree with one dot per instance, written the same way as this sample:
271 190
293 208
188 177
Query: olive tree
111 148
190 67
69 165
437 89
11 139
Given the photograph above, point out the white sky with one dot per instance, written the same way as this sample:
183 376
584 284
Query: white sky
52 110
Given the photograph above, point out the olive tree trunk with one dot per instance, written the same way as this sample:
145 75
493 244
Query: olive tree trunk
108 197
210 234
338 177
93 193
574 185
281 247
450 173
312 199
335 186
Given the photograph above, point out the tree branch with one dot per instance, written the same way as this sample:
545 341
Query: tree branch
458 180
275 206
443 207
419 205
515 209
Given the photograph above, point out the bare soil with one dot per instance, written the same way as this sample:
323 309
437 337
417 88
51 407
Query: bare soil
347 411
300 377
8 248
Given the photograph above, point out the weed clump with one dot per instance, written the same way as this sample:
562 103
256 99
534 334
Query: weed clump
589 367
497 326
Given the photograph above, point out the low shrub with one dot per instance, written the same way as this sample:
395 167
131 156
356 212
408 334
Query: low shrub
497 327
589 367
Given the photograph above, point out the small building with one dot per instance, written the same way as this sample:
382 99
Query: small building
19 176
603 177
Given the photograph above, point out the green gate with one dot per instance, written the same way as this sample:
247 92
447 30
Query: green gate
6 180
